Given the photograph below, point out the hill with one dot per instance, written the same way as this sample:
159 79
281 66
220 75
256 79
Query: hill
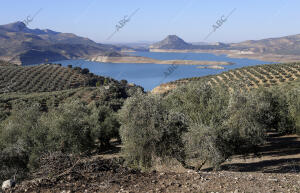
172 42
289 45
175 43
281 49
247 77
46 78
22 45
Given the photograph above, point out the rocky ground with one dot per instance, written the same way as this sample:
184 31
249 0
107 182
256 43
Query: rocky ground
275 170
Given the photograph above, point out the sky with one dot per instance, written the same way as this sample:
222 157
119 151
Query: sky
192 20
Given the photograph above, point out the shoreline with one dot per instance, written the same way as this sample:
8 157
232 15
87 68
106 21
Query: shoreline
239 54
147 60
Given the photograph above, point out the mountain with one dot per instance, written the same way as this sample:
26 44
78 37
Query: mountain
176 43
22 45
288 45
172 42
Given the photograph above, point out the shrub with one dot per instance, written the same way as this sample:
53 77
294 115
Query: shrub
220 124
123 82
149 131
21 139
293 103
282 122
68 128
77 68
85 71
201 144
199 102
105 125
98 84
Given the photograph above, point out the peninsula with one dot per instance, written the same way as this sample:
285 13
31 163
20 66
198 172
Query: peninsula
147 60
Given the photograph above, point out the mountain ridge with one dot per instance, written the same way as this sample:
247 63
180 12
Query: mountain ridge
286 45
37 46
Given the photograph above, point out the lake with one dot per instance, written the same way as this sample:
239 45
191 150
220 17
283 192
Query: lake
151 75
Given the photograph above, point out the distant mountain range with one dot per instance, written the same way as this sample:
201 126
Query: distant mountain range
22 45
288 45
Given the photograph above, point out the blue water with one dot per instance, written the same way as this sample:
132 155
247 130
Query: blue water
151 75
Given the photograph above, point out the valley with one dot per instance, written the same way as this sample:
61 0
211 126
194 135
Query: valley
149 96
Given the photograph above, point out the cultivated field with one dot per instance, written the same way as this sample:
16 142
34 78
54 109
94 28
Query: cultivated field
247 77
46 78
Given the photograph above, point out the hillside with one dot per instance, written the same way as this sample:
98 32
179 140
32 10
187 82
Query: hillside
289 45
23 45
247 77
281 49
46 78
174 42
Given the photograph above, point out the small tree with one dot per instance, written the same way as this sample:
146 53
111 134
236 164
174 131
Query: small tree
69 128
148 130
85 71
98 84
105 125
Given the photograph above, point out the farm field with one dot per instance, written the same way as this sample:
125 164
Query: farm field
276 160
245 78
46 78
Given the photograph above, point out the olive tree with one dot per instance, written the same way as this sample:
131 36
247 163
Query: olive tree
149 130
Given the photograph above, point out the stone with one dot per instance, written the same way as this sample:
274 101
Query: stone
8 184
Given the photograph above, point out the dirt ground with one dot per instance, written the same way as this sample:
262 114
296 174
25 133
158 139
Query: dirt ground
275 170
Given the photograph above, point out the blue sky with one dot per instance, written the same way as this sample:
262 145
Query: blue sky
191 20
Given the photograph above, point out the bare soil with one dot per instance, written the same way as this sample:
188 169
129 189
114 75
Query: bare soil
275 169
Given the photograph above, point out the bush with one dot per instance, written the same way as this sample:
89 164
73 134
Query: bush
85 71
124 82
199 103
105 125
98 84
220 123
149 131
283 122
21 139
68 128
293 104
27 134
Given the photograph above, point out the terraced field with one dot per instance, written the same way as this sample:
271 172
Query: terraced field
5 63
46 78
247 77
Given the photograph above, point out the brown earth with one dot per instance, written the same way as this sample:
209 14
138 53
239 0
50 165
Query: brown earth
147 60
275 169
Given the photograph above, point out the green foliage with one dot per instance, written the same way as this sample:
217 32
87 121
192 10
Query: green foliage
105 81
46 78
149 131
98 84
20 139
105 125
199 103
220 123
249 77
73 127
85 71
68 128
